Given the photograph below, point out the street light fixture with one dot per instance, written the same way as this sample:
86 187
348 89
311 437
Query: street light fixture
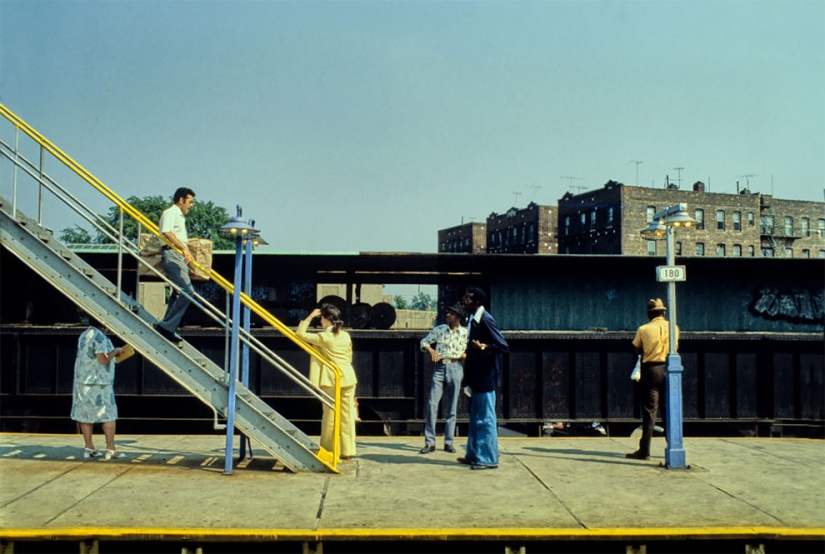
241 230
664 225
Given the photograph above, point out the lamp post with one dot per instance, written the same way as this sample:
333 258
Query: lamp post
664 225
240 230
249 242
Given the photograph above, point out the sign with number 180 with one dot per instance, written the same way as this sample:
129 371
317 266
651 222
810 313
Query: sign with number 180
667 273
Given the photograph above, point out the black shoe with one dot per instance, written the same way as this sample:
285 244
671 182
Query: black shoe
449 448
168 335
482 466
427 449
637 456
464 461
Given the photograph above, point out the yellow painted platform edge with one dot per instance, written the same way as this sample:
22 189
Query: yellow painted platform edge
446 534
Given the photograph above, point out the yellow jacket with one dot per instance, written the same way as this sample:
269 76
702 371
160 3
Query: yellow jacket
337 348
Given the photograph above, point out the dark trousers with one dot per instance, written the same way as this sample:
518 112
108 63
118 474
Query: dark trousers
652 391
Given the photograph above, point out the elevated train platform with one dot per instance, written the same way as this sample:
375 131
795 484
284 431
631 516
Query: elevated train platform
548 495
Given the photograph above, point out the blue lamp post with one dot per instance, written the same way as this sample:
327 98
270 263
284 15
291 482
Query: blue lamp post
249 242
238 228
664 225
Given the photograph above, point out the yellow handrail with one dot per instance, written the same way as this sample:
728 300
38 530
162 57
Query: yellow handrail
148 224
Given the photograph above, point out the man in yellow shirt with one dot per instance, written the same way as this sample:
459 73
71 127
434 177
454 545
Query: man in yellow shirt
652 342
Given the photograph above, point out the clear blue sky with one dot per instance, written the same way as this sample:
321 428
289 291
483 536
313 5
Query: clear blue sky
368 126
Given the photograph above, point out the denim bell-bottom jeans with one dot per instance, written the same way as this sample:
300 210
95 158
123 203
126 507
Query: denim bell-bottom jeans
482 437
447 385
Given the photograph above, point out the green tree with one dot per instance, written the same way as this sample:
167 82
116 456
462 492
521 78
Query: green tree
400 302
75 235
203 221
422 301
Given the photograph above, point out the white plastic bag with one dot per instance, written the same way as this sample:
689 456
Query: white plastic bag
636 374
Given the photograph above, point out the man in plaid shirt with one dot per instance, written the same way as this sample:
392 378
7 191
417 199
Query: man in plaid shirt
450 340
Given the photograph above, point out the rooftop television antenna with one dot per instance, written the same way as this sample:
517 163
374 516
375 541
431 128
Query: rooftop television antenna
747 179
679 176
535 188
516 194
637 162
570 183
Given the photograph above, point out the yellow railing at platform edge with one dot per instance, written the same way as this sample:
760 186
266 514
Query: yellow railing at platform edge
329 458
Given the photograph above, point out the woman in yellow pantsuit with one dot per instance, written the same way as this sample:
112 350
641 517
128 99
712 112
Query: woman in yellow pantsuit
335 344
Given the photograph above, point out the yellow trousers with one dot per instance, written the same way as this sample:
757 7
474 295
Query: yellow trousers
347 421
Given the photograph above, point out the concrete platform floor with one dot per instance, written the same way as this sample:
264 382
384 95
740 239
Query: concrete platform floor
545 488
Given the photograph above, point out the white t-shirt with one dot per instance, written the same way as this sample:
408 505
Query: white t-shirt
172 220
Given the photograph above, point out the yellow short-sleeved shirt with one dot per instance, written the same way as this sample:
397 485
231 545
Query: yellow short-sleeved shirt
653 339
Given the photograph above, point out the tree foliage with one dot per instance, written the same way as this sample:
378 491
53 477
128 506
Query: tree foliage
75 235
400 302
422 301
203 221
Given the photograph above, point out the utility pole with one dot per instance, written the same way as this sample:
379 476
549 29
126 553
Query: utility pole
637 162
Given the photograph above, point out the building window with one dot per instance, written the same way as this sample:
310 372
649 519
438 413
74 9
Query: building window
789 252
678 249
700 248
806 253
766 224
610 217
751 251
788 226
651 248
720 250
767 252
567 225
699 216
750 219
531 233
737 221
584 220
720 220
820 226
737 250
593 220
822 253
806 227
651 211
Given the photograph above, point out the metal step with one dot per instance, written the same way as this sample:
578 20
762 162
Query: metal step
133 324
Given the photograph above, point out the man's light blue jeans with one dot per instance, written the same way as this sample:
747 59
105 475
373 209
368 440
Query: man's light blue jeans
447 383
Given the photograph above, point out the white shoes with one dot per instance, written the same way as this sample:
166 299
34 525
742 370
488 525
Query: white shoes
92 453
113 454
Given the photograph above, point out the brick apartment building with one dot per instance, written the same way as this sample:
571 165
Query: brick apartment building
608 221
467 237
530 230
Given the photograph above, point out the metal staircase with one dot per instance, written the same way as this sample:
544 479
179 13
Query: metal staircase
38 249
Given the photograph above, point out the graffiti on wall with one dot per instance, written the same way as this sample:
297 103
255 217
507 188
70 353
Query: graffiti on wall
792 304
